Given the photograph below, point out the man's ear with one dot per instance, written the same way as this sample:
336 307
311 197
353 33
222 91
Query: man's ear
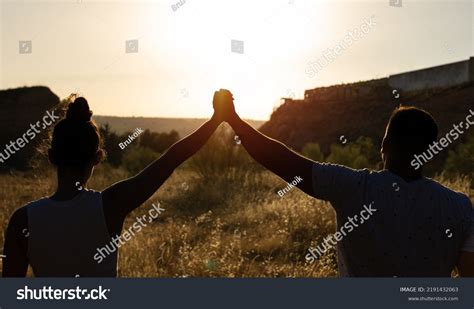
384 145
385 148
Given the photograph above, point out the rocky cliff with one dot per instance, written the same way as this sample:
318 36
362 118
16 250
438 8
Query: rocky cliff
19 108
361 109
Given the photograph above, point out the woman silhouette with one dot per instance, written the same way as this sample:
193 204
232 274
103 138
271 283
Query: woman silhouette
59 235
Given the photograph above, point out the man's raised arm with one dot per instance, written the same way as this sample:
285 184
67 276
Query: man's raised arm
270 153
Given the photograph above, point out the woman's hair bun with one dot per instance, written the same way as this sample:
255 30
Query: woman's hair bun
79 110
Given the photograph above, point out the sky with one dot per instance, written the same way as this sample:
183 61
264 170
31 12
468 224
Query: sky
180 51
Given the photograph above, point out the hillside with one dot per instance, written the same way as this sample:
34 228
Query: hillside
183 126
361 109
22 107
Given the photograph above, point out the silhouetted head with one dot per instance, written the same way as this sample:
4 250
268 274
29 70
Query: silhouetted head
409 132
76 140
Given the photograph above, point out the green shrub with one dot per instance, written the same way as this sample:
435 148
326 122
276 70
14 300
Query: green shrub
313 151
461 161
137 158
359 154
158 141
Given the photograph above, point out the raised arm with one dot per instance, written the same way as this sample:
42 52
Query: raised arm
123 197
270 153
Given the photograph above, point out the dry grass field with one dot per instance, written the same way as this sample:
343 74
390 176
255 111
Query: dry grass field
232 224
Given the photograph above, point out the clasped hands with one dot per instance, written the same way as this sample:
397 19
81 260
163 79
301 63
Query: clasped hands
223 103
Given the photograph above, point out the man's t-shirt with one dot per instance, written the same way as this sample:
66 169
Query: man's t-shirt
416 228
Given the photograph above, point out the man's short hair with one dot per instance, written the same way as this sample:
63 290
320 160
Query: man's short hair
410 131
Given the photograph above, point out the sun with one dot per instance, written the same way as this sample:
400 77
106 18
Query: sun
271 38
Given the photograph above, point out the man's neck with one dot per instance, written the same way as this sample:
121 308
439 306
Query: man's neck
406 172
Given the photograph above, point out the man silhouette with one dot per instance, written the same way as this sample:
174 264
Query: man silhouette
417 227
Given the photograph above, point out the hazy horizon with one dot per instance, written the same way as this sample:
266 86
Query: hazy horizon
185 54
177 118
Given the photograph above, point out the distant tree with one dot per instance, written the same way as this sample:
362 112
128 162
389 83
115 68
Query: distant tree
137 158
147 139
111 141
369 150
313 151
359 154
158 142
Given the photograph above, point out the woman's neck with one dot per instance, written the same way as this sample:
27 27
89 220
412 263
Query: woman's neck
71 181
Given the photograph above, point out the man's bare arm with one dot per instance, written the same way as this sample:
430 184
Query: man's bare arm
274 155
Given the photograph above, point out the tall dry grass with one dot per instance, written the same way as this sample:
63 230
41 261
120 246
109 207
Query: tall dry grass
222 226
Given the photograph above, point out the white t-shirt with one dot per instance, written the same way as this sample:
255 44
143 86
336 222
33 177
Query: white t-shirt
415 229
